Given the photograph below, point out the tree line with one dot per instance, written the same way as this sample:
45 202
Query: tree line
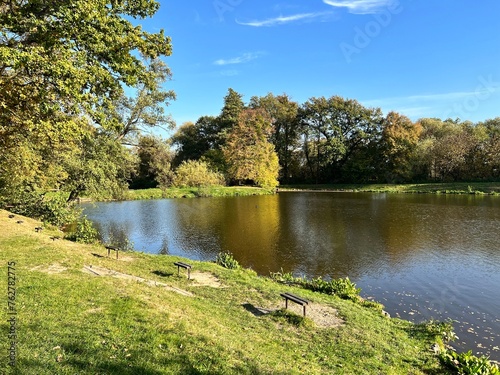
338 140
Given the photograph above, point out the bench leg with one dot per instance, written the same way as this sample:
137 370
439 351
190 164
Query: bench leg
117 254
189 274
304 311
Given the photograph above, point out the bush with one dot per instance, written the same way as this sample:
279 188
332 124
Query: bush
468 364
344 288
227 260
84 232
53 209
193 173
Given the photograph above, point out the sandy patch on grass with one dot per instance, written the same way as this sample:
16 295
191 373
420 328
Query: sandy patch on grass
52 269
100 271
205 279
322 315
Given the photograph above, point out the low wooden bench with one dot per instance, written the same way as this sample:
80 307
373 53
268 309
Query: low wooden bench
296 299
185 266
114 248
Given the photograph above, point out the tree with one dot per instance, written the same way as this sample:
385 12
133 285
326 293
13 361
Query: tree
489 149
63 66
400 137
75 56
195 140
285 135
137 115
154 163
249 153
230 113
335 129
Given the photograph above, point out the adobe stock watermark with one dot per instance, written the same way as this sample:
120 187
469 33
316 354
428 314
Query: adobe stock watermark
372 29
223 6
472 102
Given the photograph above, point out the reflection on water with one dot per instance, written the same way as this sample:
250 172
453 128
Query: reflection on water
423 256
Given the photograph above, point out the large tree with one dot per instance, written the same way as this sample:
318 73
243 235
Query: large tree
285 135
249 153
63 67
335 130
400 137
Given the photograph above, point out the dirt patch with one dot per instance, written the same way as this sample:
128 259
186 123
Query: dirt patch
322 315
52 269
100 271
205 279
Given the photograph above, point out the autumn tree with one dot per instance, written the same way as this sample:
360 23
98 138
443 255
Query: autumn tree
285 133
249 153
400 137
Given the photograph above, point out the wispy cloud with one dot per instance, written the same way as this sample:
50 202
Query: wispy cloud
360 6
246 57
281 20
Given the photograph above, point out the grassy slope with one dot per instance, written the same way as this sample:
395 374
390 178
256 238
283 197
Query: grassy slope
71 322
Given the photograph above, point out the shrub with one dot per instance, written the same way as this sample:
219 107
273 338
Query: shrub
469 364
53 209
84 232
193 173
227 260
344 288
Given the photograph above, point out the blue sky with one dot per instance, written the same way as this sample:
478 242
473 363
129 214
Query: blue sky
422 58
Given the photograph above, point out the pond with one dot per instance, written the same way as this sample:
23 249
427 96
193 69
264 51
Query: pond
423 256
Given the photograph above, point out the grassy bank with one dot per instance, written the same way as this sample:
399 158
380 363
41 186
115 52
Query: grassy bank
491 188
216 191
70 320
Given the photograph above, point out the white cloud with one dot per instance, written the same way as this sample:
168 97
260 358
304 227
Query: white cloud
284 19
246 57
360 6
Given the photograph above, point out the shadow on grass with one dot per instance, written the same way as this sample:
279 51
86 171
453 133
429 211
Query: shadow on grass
98 255
255 311
163 274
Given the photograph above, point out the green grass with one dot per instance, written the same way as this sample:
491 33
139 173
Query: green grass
71 322
478 188
216 191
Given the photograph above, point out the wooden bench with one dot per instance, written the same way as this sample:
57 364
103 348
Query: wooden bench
114 248
296 299
185 266
38 229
